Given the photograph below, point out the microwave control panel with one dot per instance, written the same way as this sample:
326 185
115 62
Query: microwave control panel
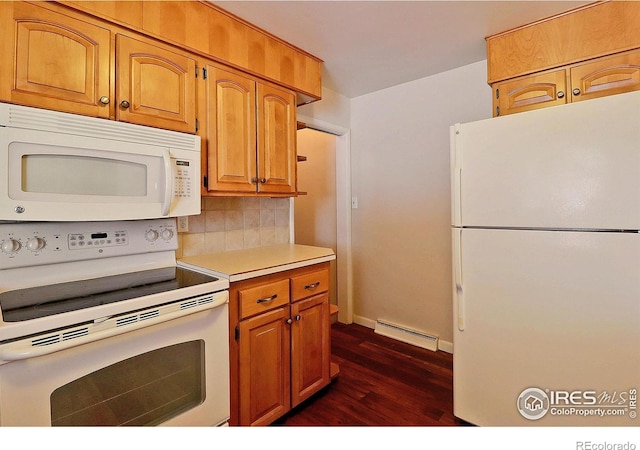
182 183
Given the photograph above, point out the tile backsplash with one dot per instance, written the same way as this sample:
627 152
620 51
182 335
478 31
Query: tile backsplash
234 223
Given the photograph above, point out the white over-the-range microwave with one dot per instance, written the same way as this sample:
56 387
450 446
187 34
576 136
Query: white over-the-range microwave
64 167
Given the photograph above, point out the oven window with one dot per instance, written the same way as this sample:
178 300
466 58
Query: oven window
147 389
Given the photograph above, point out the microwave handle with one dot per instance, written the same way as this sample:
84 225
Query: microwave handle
168 185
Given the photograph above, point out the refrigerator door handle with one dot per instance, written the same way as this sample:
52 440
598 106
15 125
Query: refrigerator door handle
458 294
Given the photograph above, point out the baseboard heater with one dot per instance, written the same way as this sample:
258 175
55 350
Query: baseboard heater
407 335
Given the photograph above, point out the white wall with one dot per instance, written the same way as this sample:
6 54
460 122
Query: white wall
400 174
334 109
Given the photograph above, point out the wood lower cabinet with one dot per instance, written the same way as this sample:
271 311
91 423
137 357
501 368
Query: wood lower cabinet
280 342
251 135
597 78
54 61
310 347
264 374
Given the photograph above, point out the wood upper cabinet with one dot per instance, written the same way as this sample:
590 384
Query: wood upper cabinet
61 60
276 140
596 78
605 76
251 132
54 61
532 92
155 86
588 52
231 131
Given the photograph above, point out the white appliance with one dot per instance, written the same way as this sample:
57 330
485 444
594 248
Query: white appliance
98 326
64 167
546 250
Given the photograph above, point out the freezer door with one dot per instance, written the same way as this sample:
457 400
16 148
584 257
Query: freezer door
573 166
546 328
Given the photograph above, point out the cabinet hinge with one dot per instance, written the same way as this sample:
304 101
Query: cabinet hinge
204 73
205 181
197 124
237 333
497 93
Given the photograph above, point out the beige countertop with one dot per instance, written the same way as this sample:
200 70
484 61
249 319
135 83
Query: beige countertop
249 263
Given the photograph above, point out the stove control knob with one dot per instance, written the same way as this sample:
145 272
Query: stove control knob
151 235
166 234
11 246
36 243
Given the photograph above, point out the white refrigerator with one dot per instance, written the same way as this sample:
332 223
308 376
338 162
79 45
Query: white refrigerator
546 266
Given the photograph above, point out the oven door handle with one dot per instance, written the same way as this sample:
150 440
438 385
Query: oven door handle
23 349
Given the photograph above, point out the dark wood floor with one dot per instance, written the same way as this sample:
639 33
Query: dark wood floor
382 382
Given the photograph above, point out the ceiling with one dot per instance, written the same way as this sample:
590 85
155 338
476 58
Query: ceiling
371 45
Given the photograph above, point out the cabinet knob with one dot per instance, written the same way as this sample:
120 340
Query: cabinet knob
263 180
560 94
576 91
104 100
298 317
289 321
125 104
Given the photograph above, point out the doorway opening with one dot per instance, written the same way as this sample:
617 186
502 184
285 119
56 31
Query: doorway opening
318 226
315 212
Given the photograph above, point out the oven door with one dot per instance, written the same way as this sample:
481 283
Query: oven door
171 373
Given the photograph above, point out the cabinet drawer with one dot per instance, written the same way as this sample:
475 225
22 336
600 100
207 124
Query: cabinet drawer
263 298
309 284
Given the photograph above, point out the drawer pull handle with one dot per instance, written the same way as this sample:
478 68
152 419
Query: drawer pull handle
312 286
267 299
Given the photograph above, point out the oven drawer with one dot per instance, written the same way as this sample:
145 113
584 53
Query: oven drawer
263 298
309 284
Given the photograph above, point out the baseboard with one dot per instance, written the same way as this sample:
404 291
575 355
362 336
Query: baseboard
445 346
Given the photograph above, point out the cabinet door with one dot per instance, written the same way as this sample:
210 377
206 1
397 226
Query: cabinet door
156 87
606 76
310 347
264 367
276 140
54 61
527 93
231 131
